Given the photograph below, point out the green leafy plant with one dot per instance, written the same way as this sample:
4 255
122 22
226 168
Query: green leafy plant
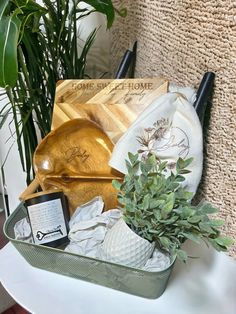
158 208
38 47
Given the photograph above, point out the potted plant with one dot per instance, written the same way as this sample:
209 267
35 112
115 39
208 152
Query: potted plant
38 47
157 211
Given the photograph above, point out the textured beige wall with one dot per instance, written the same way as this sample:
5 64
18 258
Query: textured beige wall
180 40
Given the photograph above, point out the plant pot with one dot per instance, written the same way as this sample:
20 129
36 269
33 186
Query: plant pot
122 246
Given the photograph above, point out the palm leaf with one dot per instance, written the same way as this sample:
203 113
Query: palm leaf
3 6
9 34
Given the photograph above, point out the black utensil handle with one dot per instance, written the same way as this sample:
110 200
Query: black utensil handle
203 94
128 61
124 65
133 61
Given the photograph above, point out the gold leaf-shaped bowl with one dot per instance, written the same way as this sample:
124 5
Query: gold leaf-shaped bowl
74 158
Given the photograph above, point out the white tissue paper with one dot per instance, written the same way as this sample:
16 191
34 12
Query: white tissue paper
157 262
88 226
169 127
22 231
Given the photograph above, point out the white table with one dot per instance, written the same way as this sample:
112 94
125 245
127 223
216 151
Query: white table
203 286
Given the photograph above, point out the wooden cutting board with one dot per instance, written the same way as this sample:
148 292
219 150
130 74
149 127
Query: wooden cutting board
112 104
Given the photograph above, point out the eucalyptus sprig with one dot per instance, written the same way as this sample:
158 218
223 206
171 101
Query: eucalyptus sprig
158 208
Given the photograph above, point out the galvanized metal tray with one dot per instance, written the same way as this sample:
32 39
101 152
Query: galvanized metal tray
127 279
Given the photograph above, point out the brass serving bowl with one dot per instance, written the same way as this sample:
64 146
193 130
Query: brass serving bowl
74 158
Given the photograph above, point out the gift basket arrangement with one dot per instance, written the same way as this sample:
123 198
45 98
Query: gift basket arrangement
118 173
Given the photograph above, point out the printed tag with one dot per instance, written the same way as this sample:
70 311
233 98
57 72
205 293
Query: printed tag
47 221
